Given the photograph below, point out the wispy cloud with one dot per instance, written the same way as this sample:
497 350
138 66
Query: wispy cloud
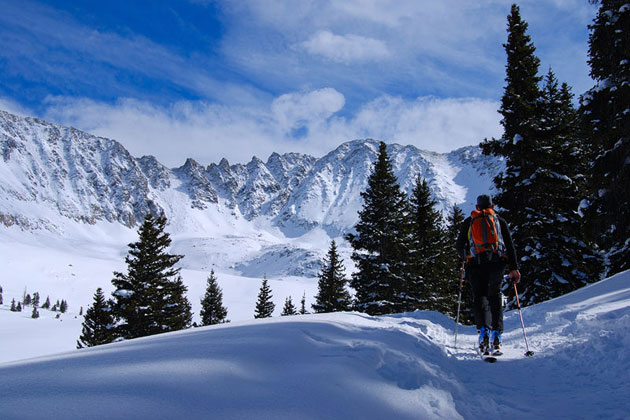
209 132
346 48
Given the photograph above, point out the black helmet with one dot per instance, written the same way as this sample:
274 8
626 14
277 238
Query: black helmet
484 201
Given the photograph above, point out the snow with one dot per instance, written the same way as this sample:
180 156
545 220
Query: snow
345 365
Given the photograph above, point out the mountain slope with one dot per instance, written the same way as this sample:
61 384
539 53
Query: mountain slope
347 366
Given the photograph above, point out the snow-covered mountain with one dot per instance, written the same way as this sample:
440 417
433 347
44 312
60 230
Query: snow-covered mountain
50 175
341 366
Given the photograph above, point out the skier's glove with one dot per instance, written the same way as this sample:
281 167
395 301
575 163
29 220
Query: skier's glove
515 276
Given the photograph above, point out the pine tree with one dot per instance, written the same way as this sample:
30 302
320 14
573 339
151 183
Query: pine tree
289 308
35 301
46 304
98 325
212 309
264 305
455 219
147 299
381 243
1 299
13 307
27 299
35 312
332 295
428 288
19 307
557 258
303 310
63 307
606 120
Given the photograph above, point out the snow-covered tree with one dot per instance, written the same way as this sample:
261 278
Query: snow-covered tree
98 324
303 310
264 305
606 115
380 243
453 265
150 298
35 312
289 308
427 287
332 295
212 309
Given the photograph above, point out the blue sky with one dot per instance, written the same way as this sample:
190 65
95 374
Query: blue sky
210 79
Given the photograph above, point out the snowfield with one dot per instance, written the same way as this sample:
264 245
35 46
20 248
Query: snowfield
343 366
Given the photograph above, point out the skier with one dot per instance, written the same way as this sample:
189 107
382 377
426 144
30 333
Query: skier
486 244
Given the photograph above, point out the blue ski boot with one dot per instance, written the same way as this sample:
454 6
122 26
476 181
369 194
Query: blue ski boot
484 341
495 335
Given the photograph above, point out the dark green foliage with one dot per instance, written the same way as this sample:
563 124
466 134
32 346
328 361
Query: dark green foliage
453 266
212 309
381 243
98 324
13 307
35 300
428 287
35 312
303 310
332 295
606 122
27 299
150 298
1 299
46 304
63 306
289 308
18 308
264 305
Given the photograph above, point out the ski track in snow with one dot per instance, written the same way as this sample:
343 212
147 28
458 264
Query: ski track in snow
346 365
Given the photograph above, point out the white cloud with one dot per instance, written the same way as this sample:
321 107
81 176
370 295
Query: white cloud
13 107
346 48
209 132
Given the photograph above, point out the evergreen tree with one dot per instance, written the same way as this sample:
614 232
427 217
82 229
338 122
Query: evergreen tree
212 309
147 299
455 219
332 295
35 312
428 287
19 307
303 310
1 299
380 245
27 299
46 304
289 308
13 307
35 301
607 125
557 258
98 325
63 307
264 305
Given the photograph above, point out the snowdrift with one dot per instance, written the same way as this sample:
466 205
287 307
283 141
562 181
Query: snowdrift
350 365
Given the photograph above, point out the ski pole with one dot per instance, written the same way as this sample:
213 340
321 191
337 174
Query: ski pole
459 299
528 353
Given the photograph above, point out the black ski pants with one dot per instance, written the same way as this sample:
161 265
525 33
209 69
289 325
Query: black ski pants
487 300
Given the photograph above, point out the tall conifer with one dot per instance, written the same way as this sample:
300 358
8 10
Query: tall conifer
606 115
381 242
150 298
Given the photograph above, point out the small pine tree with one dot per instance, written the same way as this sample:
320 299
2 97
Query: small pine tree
19 307
289 308
303 310
63 307
13 307
27 299
35 301
1 299
98 324
46 304
264 305
212 309
332 295
35 313
81 311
